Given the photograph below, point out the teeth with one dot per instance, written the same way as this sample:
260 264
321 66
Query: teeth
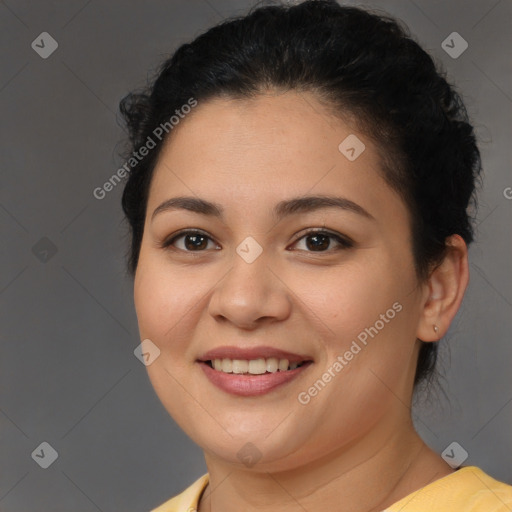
253 366
227 366
240 366
272 364
257 366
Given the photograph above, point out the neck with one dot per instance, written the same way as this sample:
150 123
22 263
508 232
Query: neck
362 480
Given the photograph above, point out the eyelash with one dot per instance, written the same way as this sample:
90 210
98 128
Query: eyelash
344 242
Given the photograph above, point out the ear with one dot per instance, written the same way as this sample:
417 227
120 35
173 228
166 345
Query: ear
444 291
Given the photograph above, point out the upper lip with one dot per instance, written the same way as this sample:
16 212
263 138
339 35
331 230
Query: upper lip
232 352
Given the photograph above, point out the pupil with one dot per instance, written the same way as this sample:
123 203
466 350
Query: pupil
324 243
198 241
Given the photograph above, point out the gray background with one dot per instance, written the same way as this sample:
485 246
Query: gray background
67 323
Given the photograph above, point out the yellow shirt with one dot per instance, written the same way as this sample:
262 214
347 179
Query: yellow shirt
468 489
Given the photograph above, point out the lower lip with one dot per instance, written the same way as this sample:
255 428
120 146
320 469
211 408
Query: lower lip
250 385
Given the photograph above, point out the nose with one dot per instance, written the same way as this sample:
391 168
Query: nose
250 295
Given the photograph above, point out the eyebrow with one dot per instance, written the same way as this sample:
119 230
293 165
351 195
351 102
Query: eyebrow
304 204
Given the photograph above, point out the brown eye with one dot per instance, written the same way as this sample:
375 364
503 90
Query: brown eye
321 241
192 241
318 242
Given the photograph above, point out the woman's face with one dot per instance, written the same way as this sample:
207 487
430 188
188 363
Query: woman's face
256 279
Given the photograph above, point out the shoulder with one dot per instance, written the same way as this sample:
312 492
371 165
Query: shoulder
186 501
468 489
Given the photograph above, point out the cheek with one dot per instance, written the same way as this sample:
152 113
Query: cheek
164 305
365 313
347 298
162 302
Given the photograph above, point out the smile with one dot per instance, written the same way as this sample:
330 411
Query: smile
253 366
251 371
246 383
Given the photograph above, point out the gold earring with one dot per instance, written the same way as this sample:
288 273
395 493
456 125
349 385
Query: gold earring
436 329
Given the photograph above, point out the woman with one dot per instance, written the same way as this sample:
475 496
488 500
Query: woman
299 245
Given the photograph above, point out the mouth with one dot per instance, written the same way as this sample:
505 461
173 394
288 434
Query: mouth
252 372
253 366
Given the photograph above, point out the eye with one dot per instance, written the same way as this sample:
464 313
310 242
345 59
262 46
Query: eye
321 241
192 241
315 241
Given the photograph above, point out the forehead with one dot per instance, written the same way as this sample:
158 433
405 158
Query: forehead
276 126
258 151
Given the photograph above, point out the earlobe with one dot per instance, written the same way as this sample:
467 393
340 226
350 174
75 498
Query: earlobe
445 290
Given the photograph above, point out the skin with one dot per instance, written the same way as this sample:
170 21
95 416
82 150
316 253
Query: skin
353 443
